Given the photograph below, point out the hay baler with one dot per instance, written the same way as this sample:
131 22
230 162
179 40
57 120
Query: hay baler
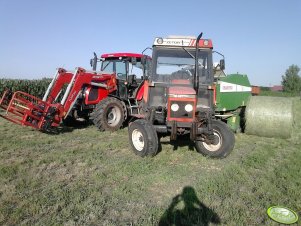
232 93
236 104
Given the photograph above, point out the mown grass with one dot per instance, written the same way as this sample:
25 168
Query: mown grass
84 177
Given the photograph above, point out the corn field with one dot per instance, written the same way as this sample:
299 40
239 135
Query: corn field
34 87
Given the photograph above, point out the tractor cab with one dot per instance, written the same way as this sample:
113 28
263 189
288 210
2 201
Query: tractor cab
178 99
174 72
128 69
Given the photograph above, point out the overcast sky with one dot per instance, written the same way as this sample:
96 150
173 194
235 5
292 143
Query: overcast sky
260 38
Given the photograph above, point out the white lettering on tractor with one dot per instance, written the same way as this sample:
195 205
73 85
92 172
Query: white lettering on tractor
229 87
173 42
72 96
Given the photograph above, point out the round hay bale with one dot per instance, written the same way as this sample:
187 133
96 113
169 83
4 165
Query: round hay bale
269 116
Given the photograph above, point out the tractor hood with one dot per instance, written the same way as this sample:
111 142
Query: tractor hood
181 90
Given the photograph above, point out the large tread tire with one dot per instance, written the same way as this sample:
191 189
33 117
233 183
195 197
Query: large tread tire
109 114
224 143
143 138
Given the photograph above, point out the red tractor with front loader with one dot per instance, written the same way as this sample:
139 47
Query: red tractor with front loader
173 94
178 99
110 113
108 96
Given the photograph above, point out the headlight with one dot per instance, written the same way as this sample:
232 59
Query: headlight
188 107
174 107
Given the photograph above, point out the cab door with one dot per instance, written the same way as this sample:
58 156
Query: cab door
121 73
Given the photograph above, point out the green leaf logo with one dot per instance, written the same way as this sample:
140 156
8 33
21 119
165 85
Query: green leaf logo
282 215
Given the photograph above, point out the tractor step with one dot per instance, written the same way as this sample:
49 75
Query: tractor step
133 106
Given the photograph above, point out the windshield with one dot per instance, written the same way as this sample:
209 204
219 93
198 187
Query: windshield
179 63
120 68
107 66
115 66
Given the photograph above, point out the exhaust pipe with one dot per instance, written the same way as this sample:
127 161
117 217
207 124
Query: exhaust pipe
196 71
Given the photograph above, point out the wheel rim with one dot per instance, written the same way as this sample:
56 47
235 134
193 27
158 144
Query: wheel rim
113 116
217 146
138 140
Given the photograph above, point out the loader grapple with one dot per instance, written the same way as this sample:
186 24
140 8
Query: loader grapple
27 110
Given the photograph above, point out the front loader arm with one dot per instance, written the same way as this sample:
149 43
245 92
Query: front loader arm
82 78
61 78
25 109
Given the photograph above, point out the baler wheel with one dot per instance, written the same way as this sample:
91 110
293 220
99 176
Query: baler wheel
109 114
223 144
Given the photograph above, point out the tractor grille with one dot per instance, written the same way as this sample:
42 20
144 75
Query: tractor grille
181 112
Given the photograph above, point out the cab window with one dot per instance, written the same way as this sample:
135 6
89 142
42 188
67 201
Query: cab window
120 70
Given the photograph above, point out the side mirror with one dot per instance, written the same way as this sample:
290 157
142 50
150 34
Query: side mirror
93 62
222 64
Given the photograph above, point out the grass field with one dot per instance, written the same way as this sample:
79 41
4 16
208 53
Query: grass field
85 177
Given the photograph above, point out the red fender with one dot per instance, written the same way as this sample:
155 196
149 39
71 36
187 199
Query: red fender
140 91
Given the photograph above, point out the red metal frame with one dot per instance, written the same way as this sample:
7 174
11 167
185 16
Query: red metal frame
140 91
169 118
5 99
116 55
102 93
109 55
25 109
202 43
108 82
63 78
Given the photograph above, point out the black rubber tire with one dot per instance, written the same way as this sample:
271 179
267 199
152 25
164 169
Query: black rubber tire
147 134
101 113
226 141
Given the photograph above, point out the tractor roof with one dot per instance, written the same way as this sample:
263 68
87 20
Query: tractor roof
117 55
182 41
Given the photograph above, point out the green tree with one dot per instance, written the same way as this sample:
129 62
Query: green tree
291 81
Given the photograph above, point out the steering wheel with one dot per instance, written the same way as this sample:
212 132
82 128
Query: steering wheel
182 74
121 75
189 73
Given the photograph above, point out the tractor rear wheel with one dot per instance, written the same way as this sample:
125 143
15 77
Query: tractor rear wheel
223 141
143 138
109 114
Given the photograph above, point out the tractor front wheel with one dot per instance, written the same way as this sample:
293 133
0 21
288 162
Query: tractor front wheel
223 141
143 138
109 114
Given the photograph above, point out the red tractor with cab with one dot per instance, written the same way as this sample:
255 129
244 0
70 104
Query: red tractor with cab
110 113
108 96
178 99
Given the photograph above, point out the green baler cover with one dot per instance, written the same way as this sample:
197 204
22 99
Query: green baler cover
232 92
